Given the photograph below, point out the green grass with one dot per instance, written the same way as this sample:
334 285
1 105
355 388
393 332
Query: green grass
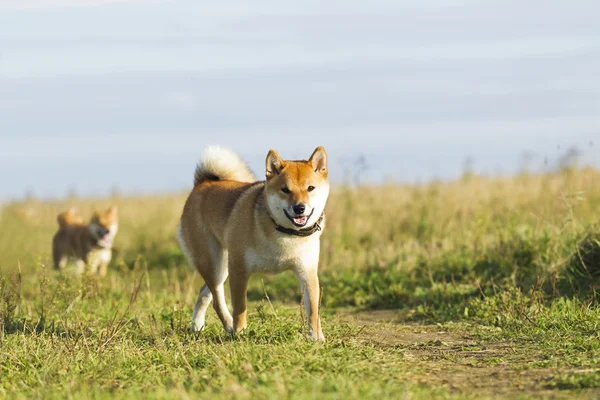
478 288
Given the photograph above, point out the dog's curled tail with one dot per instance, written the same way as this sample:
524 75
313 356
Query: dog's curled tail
67 218
221 164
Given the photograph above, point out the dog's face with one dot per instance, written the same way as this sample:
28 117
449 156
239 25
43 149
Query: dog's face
297 191
104 226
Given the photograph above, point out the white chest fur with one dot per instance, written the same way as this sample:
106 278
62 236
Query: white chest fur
285 254
98 257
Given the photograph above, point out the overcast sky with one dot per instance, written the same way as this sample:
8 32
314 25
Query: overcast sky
98 94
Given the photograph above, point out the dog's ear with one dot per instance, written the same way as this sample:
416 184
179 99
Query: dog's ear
318 160
275 164
112 210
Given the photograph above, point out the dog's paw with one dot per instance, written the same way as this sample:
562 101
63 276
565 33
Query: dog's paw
230 330
195 327
239 329
316 336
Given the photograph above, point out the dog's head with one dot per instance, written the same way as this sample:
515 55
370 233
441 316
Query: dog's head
104 226
297 191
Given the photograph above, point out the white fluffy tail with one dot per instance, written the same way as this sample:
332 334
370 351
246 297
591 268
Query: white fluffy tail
218 163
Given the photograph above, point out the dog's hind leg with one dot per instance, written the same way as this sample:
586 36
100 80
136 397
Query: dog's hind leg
58 254
213 289
210 260
217 287
59 260
204 295
202 303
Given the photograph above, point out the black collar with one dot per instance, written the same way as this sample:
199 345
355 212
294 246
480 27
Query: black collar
300 232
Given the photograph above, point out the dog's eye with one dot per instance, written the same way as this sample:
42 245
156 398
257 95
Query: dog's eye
311 188
286 190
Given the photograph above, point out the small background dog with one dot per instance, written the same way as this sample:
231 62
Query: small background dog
232 226
88 246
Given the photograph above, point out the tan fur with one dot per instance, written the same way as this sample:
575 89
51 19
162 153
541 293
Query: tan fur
69 217
89 246
227 229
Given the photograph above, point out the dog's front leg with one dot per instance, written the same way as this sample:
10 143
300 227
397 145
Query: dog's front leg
103 268
309 282
238 282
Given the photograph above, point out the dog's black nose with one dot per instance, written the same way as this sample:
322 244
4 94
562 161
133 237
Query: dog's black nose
299 208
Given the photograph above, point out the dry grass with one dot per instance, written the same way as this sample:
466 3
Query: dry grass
490 264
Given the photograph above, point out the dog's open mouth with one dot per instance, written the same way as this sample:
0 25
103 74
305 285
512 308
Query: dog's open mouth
299 221
105 240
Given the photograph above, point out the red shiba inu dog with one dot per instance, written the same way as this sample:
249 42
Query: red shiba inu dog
232 226
90 246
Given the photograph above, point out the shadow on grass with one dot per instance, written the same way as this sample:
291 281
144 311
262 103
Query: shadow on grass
582 273
444 288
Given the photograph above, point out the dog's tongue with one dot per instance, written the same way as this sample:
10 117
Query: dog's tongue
300 220
107 239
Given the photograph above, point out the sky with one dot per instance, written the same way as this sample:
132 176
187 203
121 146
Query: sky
98 96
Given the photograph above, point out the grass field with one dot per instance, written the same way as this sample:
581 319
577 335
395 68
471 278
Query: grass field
478 288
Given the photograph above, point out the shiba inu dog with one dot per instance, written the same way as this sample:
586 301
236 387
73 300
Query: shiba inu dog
89 246
232 226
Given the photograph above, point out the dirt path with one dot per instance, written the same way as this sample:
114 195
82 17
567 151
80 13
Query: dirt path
451 357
